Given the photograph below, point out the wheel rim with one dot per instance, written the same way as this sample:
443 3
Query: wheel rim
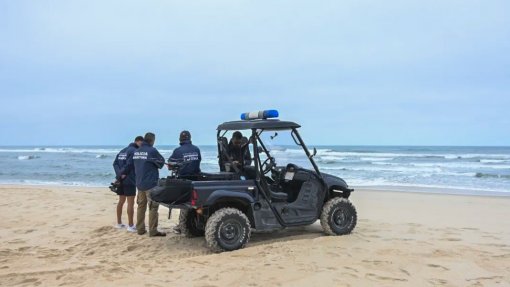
340 219
230 232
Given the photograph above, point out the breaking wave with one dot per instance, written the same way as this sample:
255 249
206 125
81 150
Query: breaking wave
492 175
27 157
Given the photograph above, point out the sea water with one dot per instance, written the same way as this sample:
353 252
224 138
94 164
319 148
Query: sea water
478 170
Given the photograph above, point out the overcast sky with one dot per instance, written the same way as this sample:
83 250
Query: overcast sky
350 72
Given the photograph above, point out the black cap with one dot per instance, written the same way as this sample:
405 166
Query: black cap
184 136
138 138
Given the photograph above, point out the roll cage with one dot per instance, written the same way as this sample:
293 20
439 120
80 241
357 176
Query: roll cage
257 127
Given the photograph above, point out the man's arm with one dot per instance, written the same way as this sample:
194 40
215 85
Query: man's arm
176 156
199 159
116 166
127 168
157 159
247 156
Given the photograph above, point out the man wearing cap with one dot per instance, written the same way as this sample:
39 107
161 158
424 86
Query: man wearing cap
187 154
146 161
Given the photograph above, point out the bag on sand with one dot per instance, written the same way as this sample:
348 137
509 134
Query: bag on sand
172 191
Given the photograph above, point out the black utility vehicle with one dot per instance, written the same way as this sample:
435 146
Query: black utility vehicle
265 195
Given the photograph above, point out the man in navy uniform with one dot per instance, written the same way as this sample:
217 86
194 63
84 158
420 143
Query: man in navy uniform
146 161
127 188
188 155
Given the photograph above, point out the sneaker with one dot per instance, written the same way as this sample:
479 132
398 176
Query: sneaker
131 228
120 226
177 229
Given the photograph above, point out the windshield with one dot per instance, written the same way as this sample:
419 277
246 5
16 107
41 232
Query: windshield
284 149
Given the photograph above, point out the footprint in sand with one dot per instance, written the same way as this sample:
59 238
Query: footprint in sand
131 247
24 231
23 249
491 279
470 228
16 241
349 274
494 245
450 239
437 281
376 277
103 229
350 268
438 266
377 262
507 255
442 253
491 237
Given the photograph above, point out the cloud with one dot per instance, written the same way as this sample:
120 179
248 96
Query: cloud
353 72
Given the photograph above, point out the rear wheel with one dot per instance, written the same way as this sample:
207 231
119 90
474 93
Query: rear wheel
188 222
227 229
338 216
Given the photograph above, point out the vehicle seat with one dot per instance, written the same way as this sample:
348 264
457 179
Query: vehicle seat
223 143
279 196
250 172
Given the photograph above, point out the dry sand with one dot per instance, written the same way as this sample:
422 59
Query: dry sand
58 236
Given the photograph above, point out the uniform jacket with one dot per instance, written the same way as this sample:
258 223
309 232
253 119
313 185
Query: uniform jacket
120 162
189 155
146 161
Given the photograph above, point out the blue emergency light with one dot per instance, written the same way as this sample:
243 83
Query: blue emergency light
260 115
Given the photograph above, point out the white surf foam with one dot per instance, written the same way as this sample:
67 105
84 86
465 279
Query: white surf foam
27 157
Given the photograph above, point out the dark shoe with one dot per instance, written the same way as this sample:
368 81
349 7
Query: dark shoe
177 229
158 234
141 232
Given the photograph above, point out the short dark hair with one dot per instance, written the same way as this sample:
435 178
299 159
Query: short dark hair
237 135
184 136
149 138
138 138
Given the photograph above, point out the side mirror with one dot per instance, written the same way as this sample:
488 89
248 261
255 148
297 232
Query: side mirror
314 153
273 136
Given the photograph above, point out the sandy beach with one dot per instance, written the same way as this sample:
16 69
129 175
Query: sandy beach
64 236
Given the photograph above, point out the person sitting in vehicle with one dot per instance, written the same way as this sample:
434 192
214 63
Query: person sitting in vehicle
238 151
187 154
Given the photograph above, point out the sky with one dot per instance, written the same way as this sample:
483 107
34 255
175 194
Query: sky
350 72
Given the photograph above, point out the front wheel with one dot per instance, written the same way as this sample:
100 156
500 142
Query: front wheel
338 216
227 229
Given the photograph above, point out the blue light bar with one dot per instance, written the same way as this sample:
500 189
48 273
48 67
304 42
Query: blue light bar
267 114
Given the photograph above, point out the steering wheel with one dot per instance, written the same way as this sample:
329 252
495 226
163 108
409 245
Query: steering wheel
267 165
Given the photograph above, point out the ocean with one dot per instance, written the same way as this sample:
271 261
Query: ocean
473 170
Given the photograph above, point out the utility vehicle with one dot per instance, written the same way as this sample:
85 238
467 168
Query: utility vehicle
273 192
